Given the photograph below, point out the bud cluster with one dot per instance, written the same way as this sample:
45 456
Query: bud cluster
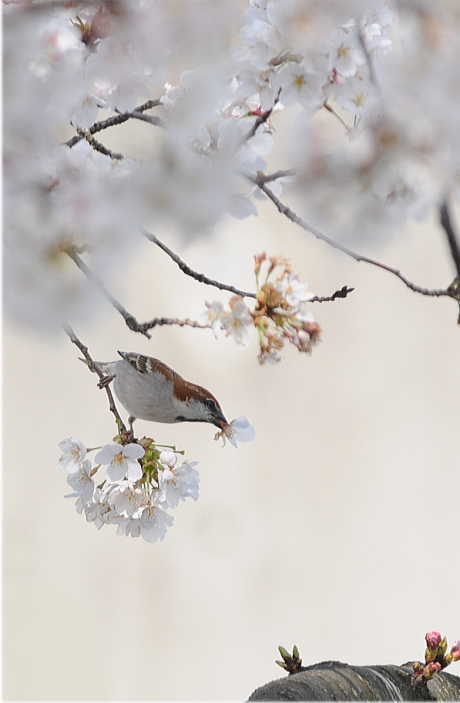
279 314
436 657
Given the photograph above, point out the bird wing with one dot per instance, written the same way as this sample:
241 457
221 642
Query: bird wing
147 364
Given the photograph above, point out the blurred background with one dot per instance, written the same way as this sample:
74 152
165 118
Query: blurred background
336 529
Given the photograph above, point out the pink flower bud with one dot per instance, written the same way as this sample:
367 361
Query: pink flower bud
432 669
433 640
456 646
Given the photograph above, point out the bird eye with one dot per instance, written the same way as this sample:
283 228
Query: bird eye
212 405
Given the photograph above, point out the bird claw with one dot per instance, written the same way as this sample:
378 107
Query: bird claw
105 380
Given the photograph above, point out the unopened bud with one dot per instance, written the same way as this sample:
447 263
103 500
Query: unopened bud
432 669
442 648
168 458
433 640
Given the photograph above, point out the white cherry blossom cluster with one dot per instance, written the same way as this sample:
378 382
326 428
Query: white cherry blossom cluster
293 55
141 483
394 154
279 315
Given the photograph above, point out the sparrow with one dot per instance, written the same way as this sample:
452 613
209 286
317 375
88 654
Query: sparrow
150 390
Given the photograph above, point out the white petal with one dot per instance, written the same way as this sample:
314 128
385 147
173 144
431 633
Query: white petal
133 451
243 431
107 453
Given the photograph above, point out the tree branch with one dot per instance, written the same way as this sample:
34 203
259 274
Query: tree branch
93 367
333 680
291 215
342 293
190 272
261 119
266 178
450 234
159 321
130 320
116 120
138 115
97 146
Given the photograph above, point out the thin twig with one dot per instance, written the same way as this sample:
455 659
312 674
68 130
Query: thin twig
291 215
97 146
189 272
133 324
113 121
287 173
138 115
450 234
259 121
342 293
130 320
330 109
93 367
159 321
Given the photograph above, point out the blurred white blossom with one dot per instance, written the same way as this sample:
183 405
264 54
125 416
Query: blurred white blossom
386 71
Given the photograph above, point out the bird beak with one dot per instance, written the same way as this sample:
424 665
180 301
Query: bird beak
220 422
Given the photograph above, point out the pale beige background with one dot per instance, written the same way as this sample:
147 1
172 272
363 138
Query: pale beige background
337 529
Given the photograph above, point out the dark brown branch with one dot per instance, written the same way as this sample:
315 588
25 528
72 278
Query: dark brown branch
451 236
291 215
266 178
97 146
259 121
342 293
160 321
190 272
130 320
114 121
138 115
133 324
93 367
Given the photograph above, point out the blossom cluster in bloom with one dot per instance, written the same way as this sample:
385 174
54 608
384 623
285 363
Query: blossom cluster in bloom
279 314
141 483
436 657
394 154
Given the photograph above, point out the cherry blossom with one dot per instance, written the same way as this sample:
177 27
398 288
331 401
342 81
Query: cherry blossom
82 482
178 483
122 461
237 320
73 454
238 430
141 484
154 522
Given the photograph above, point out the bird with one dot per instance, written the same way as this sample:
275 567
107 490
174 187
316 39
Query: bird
150 390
